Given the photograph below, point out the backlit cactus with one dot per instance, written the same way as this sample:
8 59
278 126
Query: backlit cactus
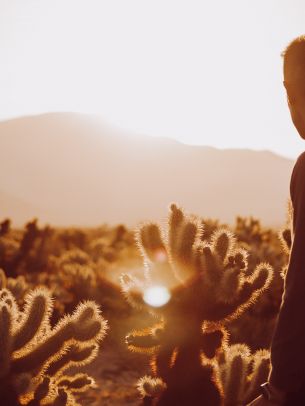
17 286
26 252
209 284
286 241
285 236
34 356
241 373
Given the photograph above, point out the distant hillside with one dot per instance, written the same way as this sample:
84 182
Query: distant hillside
72 170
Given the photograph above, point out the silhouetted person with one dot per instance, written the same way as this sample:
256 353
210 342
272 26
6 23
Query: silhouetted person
286 384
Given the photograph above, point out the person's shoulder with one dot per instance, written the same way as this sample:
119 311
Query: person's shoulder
301 157
297 176
300 163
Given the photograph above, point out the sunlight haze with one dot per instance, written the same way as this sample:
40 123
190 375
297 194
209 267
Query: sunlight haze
201 72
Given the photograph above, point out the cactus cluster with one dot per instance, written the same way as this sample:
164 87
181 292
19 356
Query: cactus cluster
74 276
34 356
25 253
241 373
209 284
208 280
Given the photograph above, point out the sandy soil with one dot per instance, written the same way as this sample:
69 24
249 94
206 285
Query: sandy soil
116 371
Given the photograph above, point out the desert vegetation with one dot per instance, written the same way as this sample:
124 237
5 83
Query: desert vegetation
205 342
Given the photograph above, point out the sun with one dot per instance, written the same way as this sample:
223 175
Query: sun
156 296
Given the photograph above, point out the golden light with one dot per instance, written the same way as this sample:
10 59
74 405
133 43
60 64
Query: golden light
156 296
133 78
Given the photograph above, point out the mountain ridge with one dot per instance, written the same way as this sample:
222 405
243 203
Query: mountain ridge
78 171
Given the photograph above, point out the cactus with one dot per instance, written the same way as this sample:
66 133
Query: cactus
5 227
285 236
209 284
9 250
286 242
80 282
17 286
71 277
13 256
241 373
34 355
74 256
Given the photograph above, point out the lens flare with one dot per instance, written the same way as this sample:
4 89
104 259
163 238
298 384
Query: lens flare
160 255
156 296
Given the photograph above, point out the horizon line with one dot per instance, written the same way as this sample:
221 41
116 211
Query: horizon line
131 132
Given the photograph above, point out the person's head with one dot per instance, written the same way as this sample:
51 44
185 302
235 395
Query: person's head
294 82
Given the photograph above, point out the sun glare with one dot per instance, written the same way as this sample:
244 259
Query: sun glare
119 67
157 296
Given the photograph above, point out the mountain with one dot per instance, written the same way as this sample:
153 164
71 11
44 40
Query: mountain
71 169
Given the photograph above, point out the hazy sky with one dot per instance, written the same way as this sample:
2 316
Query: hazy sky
203 72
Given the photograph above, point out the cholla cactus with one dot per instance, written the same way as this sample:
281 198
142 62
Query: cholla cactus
241 373
18 256
18 286
5 226
79 280
150 387
72 277
285 235
72 257
34 356
209 283
9 251
286 241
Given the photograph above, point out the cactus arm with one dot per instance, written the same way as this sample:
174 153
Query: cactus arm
235 376
61 399
5 338
77 383
132 289
248 293
186 239
161 361
260 372
150 387
3 279
36 314
286 240
150 241
233 373
41 392
54 345
142 343
76 356
73 328
175 220
222 243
